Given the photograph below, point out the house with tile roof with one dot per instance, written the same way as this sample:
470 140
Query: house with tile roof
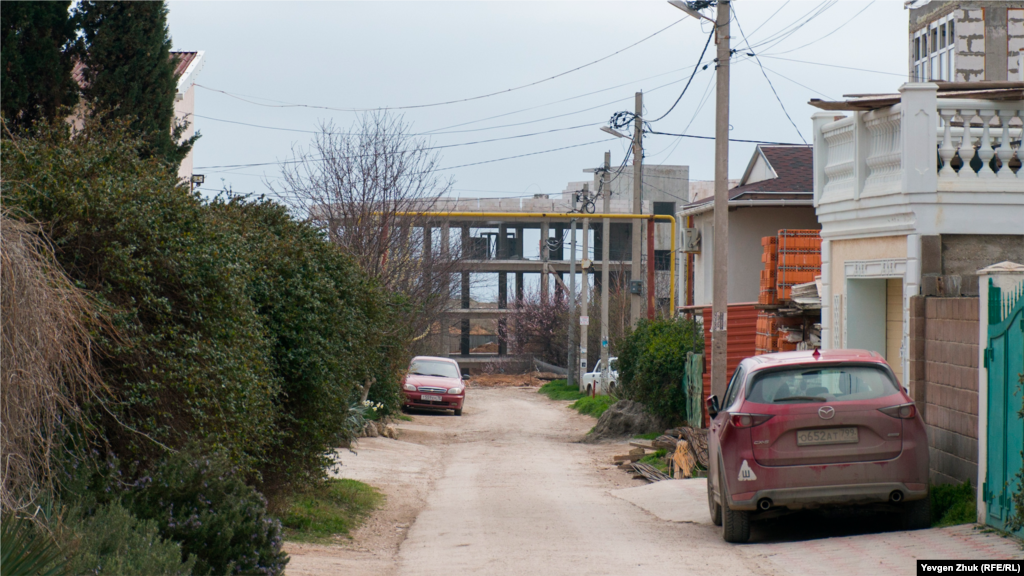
187 66
776 192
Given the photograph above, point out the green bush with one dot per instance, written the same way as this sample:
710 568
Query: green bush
558 390
953 504
593 405
331 509
112 542
202 503
186 354
652 360
328 326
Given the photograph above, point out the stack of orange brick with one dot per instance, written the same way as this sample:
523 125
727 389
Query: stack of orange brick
770 257
799 259
768 336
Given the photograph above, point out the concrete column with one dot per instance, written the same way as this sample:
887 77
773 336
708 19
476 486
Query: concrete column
519 241
503 251
919 123
502 322
544 254
464 340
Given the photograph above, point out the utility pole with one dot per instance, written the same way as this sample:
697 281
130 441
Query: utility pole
636 301
570 364
720 296
585 294
606 188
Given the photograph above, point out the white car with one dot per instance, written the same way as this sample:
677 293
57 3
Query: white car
593 379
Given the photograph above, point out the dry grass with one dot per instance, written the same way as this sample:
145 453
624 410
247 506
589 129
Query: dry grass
45 361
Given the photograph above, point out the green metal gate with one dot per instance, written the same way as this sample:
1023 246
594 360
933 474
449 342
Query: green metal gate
1004 360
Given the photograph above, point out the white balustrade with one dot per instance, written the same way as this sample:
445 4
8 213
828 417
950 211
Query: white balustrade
884 162
976 142
839 155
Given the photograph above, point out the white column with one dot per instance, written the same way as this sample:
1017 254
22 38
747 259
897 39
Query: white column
826 294
911 288
919 124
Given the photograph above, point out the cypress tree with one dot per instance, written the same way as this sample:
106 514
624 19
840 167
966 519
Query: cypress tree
129 73
36 59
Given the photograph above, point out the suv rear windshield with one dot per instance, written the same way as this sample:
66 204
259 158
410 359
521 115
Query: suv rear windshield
820 384
434 368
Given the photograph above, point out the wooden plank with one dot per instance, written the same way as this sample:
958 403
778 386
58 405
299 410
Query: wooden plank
641 445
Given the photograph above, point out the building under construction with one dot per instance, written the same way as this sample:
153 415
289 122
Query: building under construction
533 252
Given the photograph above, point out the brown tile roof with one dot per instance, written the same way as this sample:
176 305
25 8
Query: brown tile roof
794 166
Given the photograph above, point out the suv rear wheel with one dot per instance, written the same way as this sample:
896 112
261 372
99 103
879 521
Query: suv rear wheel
735 523
714 507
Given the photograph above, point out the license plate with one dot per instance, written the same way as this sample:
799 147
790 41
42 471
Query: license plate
430 398
826 436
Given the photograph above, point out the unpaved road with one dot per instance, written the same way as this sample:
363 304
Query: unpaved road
507 489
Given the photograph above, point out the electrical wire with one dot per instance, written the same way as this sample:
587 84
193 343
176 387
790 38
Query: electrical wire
798 84
730 139
694 73
765 74
428 148
461 100
832 32
833 65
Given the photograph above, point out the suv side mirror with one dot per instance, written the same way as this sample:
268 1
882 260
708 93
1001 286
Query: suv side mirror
712 405
465 375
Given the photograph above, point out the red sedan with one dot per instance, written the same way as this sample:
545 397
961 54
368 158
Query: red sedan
814 429
434 383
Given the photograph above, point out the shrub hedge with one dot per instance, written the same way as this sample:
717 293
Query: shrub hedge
652 360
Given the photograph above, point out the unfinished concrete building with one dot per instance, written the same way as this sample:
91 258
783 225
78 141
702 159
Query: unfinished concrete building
532 250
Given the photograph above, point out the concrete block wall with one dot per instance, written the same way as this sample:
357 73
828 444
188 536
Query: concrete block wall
944 382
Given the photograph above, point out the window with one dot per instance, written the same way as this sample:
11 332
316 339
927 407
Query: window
665 208
820 384
662 259
734 387
935 51
434 368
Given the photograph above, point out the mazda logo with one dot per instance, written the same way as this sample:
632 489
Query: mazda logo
826 412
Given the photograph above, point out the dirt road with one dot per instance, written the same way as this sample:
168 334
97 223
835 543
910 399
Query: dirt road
507 489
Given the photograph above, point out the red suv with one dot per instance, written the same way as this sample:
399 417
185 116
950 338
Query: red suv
814 429
434 383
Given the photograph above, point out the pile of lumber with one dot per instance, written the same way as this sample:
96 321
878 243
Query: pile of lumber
686 447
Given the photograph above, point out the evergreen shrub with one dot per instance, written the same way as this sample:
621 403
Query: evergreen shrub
202 503
652 361
113 542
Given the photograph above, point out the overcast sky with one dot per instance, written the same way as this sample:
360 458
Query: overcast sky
388 54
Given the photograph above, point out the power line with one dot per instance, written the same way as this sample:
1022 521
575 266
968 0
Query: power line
470 99
833 65
765 74
797 83
694 73
730 139
424 149
832 32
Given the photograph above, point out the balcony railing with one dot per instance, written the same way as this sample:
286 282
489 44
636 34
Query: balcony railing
921 144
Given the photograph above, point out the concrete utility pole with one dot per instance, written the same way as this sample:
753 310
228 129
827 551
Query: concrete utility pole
636 301
585 296
606 190
720 296
570 363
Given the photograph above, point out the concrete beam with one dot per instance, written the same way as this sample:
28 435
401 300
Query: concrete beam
531 266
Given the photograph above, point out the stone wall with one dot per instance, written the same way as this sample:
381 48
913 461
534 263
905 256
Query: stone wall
944 382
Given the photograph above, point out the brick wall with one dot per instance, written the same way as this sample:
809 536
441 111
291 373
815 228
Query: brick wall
944 382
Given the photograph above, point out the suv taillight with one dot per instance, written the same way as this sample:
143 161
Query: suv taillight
902 411
741 420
